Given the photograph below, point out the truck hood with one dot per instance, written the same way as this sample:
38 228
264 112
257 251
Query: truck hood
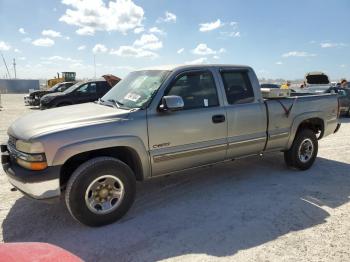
58 119
317 78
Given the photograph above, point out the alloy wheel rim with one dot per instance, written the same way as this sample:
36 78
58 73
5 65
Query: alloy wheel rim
104 194
306 150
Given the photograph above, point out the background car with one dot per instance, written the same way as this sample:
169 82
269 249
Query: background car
343 95
274 86
317 79
33 98
270 86
35 251
81 92
344 99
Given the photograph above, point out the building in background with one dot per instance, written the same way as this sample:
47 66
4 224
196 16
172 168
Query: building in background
18 86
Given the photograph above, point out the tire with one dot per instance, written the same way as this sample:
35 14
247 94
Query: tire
303 151
80 196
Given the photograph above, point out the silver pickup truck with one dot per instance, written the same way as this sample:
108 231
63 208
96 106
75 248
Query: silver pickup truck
155 122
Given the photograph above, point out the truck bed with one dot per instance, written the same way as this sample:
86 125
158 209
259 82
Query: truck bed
283 114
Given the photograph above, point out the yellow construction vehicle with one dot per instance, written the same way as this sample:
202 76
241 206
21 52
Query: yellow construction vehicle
66 77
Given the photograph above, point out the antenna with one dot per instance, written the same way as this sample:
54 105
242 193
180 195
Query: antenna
8 72
14 67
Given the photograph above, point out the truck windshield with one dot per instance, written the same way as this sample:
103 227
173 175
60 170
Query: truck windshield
136 89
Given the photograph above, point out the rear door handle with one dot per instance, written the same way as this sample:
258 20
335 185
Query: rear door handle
218 119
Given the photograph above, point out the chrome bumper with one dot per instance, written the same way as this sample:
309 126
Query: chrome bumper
38 190
41 185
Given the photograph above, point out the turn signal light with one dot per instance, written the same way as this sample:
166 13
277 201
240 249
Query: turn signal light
32 165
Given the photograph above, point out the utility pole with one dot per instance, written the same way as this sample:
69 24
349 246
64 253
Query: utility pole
14 67
95 65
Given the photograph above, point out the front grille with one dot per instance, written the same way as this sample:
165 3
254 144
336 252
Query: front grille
12 141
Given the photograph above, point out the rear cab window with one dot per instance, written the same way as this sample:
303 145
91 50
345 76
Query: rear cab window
238 88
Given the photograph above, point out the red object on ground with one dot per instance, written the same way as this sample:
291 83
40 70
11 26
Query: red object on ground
35 252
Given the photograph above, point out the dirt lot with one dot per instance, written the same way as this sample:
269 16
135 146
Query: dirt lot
249 210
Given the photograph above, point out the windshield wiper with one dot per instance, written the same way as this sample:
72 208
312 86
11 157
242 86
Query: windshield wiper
102 102
112 103
116 103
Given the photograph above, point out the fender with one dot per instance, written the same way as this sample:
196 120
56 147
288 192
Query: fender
64 153
299 119
64 101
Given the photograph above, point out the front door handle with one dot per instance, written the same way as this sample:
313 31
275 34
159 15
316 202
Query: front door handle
218 119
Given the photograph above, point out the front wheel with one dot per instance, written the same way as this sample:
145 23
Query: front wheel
100 191
304 150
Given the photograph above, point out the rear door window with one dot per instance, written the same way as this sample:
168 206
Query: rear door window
237 86
92 88
103 87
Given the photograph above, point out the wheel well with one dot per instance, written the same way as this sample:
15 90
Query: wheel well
124 154
314 124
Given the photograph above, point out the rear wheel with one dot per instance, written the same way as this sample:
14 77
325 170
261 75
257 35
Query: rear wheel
303 151
100 191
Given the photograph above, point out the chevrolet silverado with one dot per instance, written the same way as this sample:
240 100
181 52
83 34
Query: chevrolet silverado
155 122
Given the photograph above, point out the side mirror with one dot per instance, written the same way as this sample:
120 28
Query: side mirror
172 103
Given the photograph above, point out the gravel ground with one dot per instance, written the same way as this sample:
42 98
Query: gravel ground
249 210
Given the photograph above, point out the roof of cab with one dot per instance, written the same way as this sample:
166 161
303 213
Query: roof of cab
177 67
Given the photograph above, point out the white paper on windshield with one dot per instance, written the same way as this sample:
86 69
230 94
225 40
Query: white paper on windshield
206 102
132 97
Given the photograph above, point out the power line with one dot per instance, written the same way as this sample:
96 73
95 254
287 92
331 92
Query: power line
3 59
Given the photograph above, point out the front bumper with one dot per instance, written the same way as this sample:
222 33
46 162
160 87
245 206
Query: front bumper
32 101
44 106
26 100
41 185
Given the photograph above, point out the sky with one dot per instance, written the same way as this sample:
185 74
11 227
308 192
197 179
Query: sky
279 39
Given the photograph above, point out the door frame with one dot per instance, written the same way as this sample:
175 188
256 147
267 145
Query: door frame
244 140
185 150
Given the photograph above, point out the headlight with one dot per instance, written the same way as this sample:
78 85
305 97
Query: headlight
28 147
29 155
